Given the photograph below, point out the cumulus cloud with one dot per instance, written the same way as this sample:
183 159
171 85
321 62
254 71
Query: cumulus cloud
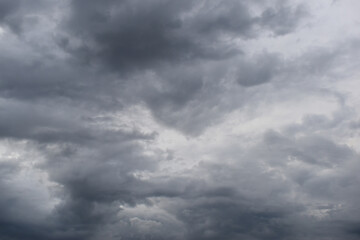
179 120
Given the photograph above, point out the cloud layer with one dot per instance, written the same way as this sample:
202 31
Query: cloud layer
182 120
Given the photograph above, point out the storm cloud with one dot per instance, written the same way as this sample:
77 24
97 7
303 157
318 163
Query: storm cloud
185 120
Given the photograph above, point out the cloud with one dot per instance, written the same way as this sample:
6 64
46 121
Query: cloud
18 14
134 35
178 120
262 70
283 19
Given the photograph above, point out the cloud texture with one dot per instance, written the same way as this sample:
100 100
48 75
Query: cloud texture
184 120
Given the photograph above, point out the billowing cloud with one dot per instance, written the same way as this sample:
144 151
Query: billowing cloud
179 120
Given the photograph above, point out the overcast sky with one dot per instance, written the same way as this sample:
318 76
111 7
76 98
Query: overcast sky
179 119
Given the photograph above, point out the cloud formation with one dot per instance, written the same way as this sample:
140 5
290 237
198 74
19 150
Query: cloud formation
179 120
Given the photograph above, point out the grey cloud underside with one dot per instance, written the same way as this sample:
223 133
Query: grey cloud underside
124 35
17 15
61 100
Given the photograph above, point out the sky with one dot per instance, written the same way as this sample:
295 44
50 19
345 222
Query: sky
182 120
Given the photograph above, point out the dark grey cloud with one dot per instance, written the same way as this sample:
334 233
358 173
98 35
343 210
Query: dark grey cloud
19 14
282 19
171 41
8 8
120 120
229 216
260 71
269 213
125 35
